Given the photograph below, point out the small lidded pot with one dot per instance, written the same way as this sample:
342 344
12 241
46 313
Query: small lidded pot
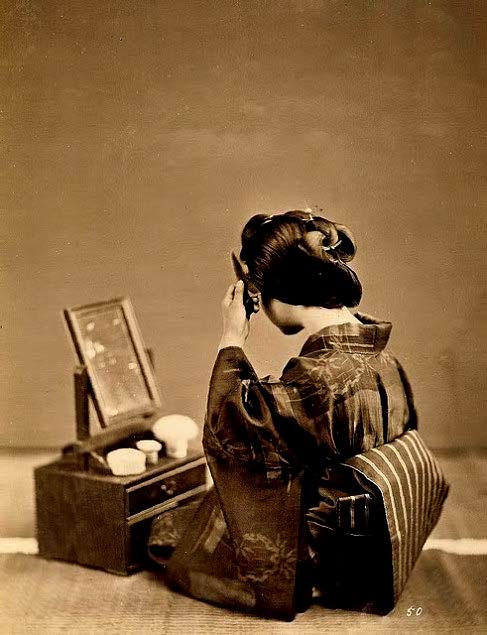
175 431
126 461
150 448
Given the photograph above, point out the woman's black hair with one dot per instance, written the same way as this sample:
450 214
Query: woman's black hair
299 259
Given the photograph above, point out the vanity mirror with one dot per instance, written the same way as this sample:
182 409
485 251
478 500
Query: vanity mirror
92 510
108 343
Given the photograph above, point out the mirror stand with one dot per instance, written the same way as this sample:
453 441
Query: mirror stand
82 388
83 392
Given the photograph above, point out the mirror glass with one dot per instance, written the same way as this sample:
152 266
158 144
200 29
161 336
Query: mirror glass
109 344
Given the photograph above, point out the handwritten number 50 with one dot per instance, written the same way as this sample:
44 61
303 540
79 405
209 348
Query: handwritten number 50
414 610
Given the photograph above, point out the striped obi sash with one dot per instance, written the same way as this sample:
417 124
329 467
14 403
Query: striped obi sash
406 477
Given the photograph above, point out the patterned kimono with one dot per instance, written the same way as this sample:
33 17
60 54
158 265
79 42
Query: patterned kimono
321 482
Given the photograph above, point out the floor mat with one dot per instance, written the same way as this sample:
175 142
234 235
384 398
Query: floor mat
446 593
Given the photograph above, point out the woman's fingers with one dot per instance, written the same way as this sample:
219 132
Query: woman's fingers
228 297
239 289
235 294
235 322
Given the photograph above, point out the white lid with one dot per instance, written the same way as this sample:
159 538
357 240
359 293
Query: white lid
125 461
148 445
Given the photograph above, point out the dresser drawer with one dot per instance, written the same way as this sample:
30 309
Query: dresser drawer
163 488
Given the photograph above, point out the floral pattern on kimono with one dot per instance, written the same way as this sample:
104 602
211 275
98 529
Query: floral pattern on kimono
269 443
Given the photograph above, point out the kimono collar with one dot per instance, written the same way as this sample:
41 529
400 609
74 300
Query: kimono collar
371 336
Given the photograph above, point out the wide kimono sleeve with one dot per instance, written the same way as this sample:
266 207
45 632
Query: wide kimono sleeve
255 421
258 482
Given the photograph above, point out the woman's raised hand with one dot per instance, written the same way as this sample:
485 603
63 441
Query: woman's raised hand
236 326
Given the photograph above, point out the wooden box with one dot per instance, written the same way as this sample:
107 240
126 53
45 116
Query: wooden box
101 520
85 514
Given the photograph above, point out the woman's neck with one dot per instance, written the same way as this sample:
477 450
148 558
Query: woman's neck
314 319
292 319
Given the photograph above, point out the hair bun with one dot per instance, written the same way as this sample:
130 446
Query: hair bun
313 242
346 248
328 239
301 259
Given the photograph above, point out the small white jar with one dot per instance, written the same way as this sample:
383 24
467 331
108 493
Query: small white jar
151 449
126 461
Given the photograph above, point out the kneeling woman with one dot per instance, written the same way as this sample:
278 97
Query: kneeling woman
322 486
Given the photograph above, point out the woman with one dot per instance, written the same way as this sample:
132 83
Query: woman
322 486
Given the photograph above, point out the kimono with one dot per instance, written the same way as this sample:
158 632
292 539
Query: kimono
322 485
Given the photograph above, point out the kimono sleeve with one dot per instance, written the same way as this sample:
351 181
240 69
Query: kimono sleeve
408 391
258 484
248 419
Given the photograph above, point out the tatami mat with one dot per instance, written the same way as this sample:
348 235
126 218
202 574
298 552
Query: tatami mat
448 590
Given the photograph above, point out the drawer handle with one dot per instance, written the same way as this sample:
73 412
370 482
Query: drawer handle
168 488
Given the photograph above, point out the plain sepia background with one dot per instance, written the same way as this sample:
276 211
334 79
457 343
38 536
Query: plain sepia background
137 137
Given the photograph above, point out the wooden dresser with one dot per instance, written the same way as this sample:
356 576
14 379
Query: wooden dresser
101 520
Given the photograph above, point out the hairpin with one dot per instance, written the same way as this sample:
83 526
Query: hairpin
266 220
330 247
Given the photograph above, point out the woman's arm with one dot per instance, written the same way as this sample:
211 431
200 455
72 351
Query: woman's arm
242 417
248 419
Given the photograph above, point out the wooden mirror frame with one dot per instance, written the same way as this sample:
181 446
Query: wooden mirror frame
73 317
